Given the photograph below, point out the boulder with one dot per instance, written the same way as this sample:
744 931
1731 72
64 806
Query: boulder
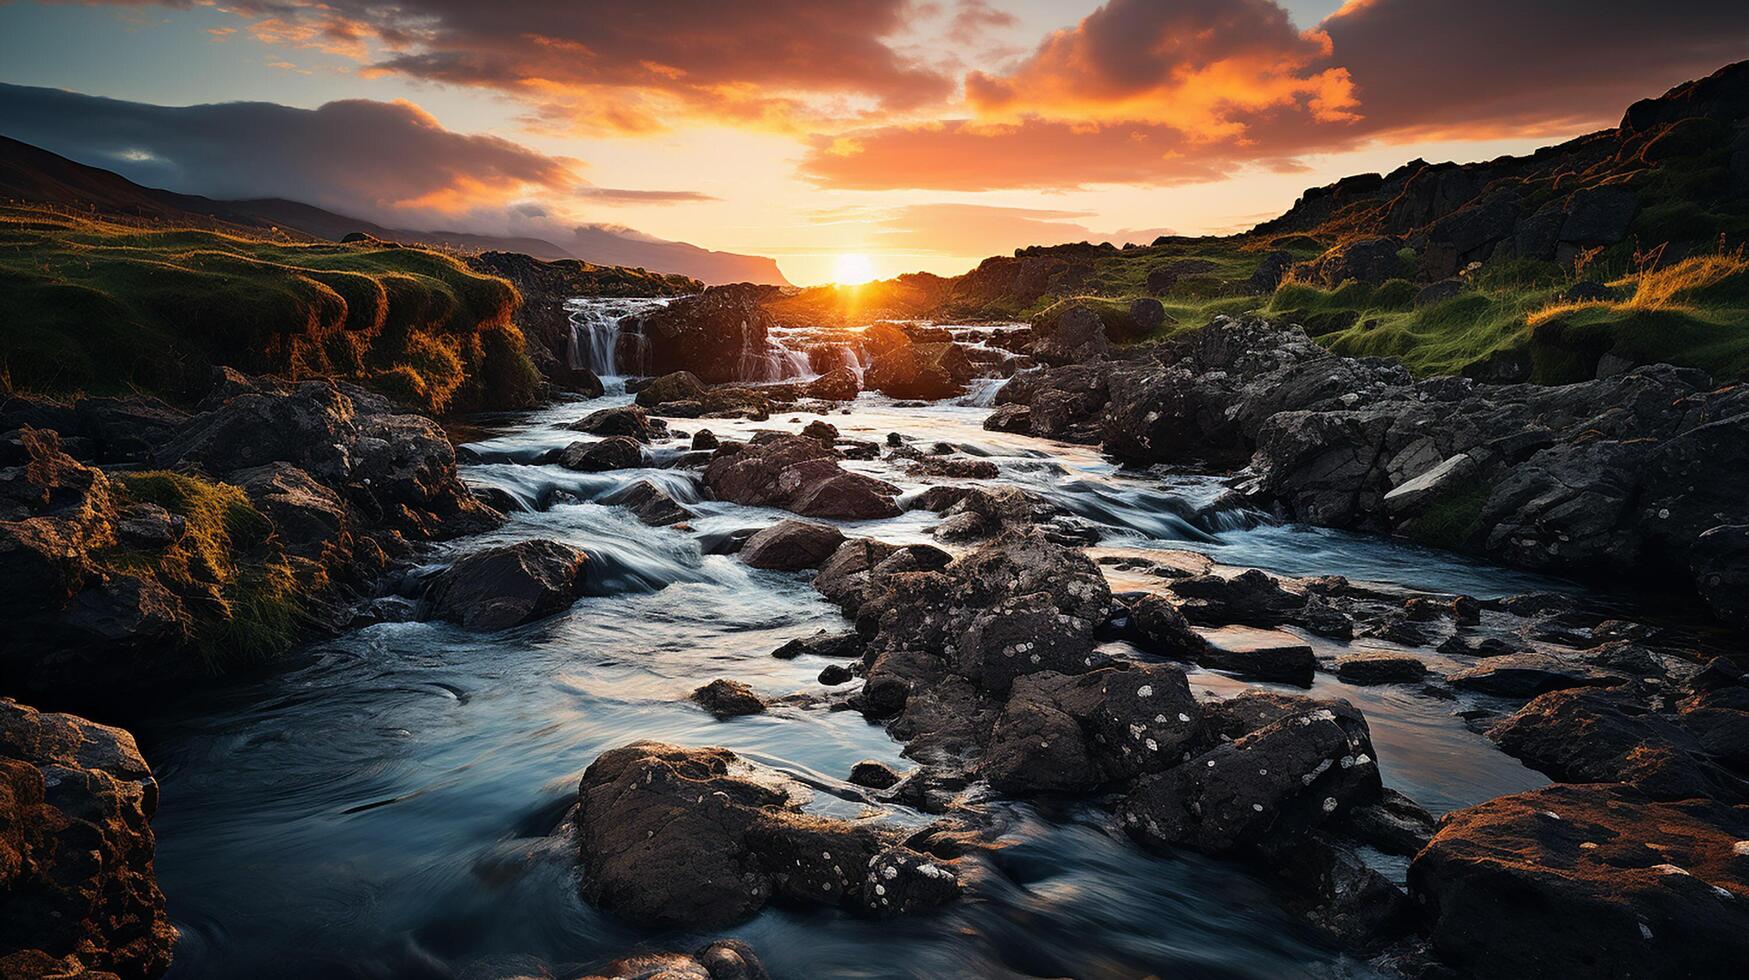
1158 627
924 371
1146 316
625 420
798 474
1380 668
680 386
1592 735
1526 675
649 503
499 587
1270 271
611 453
1574 881
1074 332
1599 216
792 545
837 385
1294 774
718 335
728 699
1251 597
672 837
874 775
78 894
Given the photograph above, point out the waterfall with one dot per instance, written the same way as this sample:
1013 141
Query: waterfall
982 393
595 330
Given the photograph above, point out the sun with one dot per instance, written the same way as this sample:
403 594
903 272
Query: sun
853 269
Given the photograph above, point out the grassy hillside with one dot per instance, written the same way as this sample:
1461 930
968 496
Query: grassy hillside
92 304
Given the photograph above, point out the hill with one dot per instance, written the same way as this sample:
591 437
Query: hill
1613 249
33 175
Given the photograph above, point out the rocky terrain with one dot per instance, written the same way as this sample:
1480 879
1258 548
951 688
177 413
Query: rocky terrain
1011 555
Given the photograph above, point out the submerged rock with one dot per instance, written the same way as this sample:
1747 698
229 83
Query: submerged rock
725 959
505 586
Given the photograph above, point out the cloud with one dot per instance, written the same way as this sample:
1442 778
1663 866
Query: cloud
970 229
973 19
1145 92
626 64
625 195
387 161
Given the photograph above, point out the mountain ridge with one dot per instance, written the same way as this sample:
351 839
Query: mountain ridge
31 173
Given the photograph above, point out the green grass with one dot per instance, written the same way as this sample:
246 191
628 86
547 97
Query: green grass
241 593
93 305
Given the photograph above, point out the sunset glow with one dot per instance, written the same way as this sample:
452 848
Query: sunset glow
930 135
853 269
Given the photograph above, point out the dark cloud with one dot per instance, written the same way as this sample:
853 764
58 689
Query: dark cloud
387 161
1160 93
746 61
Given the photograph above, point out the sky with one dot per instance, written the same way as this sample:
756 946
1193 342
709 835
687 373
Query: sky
922 134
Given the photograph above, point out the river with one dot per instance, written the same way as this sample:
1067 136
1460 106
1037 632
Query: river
383 806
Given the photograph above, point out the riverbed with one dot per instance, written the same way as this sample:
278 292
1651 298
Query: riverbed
385 806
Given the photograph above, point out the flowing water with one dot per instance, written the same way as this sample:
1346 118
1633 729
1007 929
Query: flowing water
384 806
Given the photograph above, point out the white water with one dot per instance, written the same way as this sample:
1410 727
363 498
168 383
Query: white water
595 331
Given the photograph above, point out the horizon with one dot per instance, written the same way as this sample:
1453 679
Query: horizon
915 136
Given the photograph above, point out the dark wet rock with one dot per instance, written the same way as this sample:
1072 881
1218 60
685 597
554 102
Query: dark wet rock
798 474
923 371
1334 889
78 893
650 503
718 335
1526 675
697 838
1720 563
834 674
1251 597
725 959
626 420
728 699
612 453
874 775
1578 880
822 644
1294 774
1319 616
860 565
977 513
1158 627
1589 735
1010 418
954 467
792 545
1071 333
1035 747
504 586
705 439
1460 645
826 432
1380 668
837 385
1264 654
680 386
1395 824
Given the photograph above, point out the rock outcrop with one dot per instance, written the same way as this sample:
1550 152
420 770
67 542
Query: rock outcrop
799 474
508 585
78 896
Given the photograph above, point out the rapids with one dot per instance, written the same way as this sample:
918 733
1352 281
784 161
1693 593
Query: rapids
383 806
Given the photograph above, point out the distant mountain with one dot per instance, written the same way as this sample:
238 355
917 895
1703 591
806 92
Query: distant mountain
32 174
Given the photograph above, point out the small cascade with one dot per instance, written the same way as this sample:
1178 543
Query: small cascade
981 392
777 363
596 328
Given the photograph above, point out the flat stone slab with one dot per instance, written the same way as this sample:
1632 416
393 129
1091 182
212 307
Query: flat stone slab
1380 668
1264 654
